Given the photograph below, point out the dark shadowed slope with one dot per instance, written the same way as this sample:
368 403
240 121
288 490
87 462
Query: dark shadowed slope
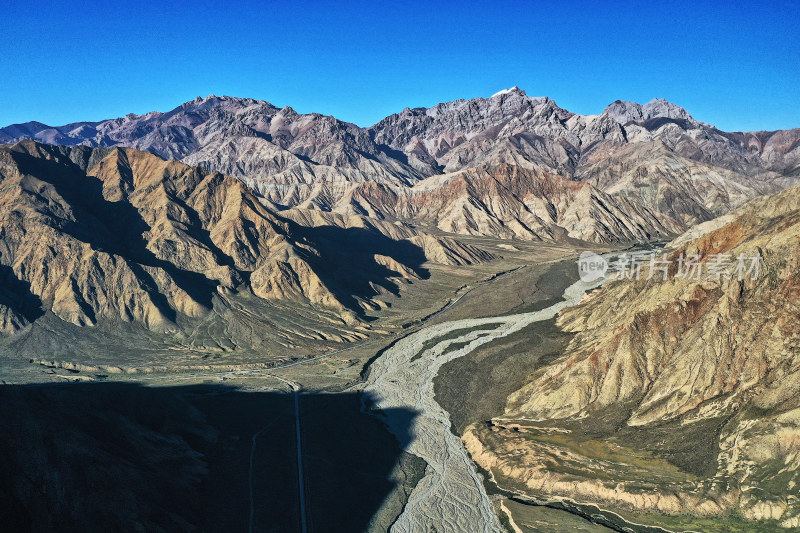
119 457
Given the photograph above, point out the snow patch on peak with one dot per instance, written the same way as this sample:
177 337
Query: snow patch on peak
513 89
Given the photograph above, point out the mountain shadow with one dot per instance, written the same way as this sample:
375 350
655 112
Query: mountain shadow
347 263
125 457
115 227
16 295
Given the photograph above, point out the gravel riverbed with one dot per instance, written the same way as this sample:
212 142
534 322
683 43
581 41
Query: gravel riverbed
451 495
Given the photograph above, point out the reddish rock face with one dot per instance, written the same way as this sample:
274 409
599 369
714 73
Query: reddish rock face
680 354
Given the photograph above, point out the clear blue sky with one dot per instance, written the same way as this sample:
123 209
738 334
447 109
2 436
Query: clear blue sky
735 67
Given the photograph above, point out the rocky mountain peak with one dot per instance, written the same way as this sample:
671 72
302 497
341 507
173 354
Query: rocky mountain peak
625 112
660 107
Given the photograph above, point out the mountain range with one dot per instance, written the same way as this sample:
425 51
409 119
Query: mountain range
506 166
109 236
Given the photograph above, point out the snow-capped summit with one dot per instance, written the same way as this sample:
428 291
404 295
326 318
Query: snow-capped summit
513 89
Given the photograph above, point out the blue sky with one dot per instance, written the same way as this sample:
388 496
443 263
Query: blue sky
735 67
